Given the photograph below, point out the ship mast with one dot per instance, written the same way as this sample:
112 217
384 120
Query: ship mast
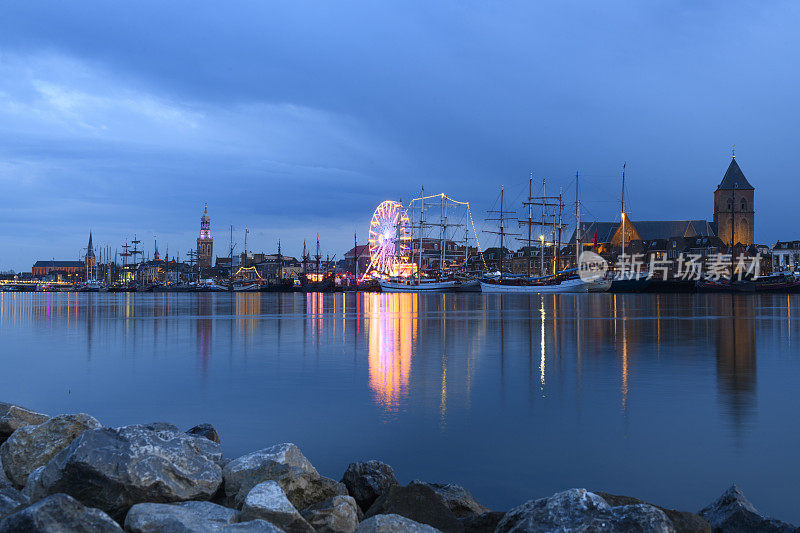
503 215
622 212
577 222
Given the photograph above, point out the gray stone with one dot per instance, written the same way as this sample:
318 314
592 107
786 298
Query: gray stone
682 521
305 489
366 480
30 447
482 523
253 526
34 490
56 514
580 510
183 517
733 512
268 501
419 503
13 417
3 479
205 430
335 515
245 472
392 523
10 499
456 498
115 468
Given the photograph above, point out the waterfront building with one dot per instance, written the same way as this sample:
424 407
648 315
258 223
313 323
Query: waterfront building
733 207
786 256
205 242
66 270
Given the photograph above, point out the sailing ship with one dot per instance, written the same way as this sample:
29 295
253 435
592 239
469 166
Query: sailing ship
443 277
560 280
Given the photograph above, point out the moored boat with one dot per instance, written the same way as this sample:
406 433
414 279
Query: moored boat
423 286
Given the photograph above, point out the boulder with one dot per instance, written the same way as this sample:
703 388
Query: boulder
733 512
367 480
58 513
580 510
268 501
456 498
116 468
482 523
419 503
30 447
304 489
3 479
33 489
682 521
10 499
13 417
181 517
392 523
245 472
205 430
253 526
335 515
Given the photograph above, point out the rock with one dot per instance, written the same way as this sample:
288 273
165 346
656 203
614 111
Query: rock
335 515
178 517
30 447
205 430
3 479
304 489
580 510
392 523
365 481
733 512
419 503
682 521
34 490
253 526
115 468
244 473
456 498
10 499
13 417
482 523
268 501
58 513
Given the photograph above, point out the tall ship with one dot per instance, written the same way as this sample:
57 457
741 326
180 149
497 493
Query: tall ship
423 247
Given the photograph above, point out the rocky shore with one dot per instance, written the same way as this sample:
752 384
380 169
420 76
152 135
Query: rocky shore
70 473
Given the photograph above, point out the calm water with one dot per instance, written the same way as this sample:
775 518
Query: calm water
666 397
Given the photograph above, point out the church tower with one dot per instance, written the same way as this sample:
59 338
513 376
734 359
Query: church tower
733 207
205 243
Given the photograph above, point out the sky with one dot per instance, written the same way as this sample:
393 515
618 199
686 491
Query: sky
297 118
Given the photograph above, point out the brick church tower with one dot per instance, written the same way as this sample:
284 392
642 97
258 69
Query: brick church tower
205 242
734 208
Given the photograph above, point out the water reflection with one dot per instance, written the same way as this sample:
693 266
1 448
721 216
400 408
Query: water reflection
438 347
391 323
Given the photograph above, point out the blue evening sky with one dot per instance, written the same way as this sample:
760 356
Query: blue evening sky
292 118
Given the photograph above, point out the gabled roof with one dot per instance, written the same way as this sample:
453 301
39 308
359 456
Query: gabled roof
59 264
605 231
664 229
734 178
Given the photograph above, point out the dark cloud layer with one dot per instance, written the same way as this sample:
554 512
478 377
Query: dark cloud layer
292 118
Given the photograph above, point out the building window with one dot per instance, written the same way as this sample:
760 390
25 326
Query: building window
744 205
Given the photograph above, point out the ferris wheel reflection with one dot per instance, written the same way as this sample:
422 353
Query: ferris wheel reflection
391 320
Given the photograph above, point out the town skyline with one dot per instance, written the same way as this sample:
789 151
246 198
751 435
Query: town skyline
127 140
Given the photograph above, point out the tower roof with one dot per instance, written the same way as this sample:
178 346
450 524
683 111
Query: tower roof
90 248
734 178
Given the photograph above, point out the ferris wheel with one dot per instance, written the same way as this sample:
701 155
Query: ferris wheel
390 240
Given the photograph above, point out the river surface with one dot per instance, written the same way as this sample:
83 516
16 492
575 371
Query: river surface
670 398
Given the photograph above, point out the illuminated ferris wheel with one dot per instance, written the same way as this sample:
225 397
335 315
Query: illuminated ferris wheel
390 240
